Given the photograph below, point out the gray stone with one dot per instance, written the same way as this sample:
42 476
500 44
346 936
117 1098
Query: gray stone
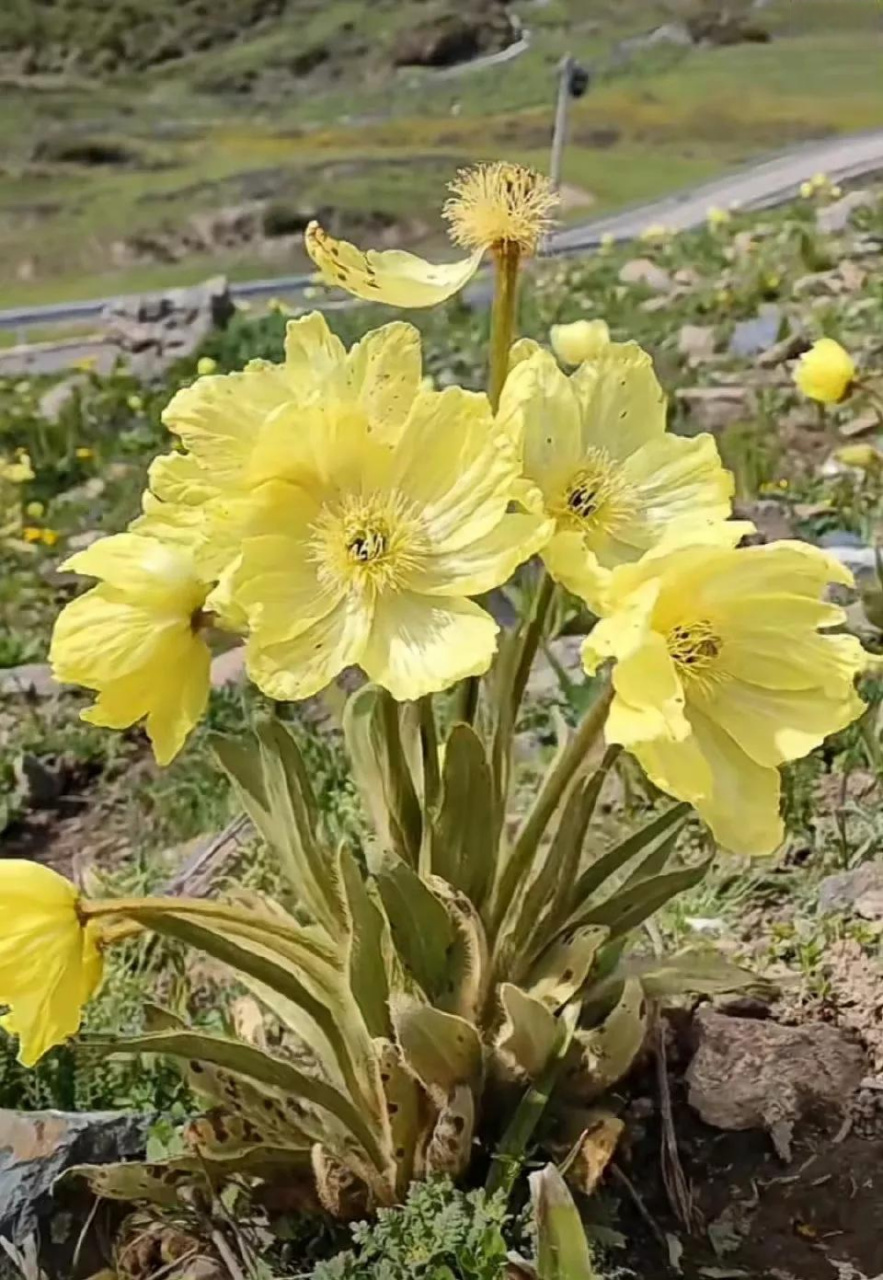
79 541
750 337
696 341
643 271
36 1147
30 677
52 403
155 330
715 408
228 668
837 216
857 892
750 1074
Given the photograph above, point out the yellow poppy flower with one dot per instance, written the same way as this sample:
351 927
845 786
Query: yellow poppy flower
136 638
16 470
826 372
579 341
366 555
598 457
491 206
722 675
206 365
50 963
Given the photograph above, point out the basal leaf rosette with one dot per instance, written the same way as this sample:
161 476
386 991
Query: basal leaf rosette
724 670
368 552
597 454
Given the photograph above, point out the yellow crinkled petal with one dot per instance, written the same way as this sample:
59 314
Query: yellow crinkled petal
675 479
581 340
143 569
570 562
649 700
454 464
307 662
420 644
772 641
484 564
383 374
312 352
621 402
392 276
539 408
100 637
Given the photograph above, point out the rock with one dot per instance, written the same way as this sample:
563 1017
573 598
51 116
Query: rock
79 541
37 783
714 408
793 345
748 1074
35 1149
837 216
31 677
696 341
719 25
859 892
750 337
771 517
228 668
53 402
860 425
643 271
155 330
456 36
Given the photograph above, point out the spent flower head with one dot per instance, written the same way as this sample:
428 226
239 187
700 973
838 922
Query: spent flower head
500 203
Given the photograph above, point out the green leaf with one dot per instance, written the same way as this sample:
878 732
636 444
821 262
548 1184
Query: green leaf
450 1146
373 736
529 1032
464 843
604 1054
441 1049
408 1108
631 906
275 791
136 1182
370 949
565 965
465 988
614 859
292 1086
695 971
423 932
562 1248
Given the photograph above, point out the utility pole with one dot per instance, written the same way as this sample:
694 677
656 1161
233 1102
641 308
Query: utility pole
573 81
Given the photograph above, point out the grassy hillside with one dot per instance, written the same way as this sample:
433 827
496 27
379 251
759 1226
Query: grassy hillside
146 144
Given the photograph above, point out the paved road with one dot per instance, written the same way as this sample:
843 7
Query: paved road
756 186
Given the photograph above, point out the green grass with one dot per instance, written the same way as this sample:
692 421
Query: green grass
372 142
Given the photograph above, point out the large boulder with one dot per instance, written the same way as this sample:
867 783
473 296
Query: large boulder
154 330
453 36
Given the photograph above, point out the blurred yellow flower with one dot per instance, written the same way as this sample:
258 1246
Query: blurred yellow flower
86 364
494 207
656 233
136 638
50 963
84 453
579 341
49 537
863 456
35 510
30 533
368 554
716 217
826 372
135 403
599 462
17 471
607 242
205 365
722 675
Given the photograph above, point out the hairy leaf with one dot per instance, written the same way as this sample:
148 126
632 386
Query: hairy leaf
373 737
464 840
529 1032
441 1049
603 1055
562 1248
423 931
565 965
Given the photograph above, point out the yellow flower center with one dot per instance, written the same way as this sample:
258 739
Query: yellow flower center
694 646
368 542
502 203
596 497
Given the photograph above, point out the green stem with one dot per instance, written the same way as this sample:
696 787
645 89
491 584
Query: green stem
506 259
554 785
533 634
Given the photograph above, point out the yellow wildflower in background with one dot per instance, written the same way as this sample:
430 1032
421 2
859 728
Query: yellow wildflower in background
84 453
722 675
579 341
717 218
31 533
826 372
50 964
136 639
17 470
602 466
206 365
865 457
368 553
492 207
656 233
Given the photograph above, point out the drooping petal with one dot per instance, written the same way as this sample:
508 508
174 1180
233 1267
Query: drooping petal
649 702
420 644
142 568
391 276
306 663
99 638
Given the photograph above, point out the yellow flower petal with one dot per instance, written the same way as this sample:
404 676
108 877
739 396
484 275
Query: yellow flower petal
392 276
483 564
579 341
826 372
649 700
622 403
305 663
50 965
419 645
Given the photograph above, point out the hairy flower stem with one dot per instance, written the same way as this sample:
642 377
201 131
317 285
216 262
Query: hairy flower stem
552 790
507 256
